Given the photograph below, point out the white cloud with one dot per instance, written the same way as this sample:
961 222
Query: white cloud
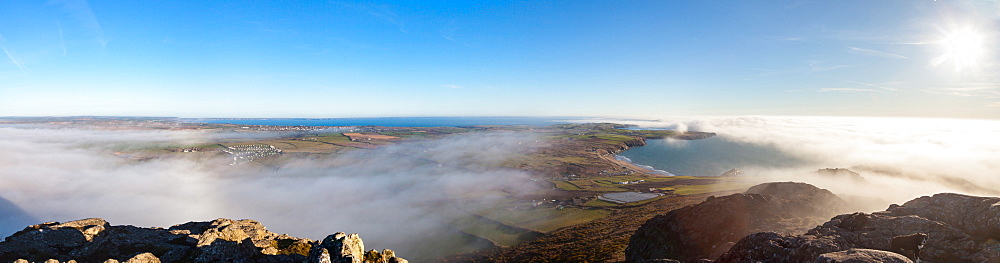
12 59
81 12
981 90
880 86
815 65
846 90
901 158
875 53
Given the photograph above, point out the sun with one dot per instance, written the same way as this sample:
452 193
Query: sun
963 48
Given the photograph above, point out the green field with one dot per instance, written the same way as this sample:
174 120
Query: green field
495 231
564 185
548 219
708 188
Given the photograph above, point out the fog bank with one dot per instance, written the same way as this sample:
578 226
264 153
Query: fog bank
395 196
900 158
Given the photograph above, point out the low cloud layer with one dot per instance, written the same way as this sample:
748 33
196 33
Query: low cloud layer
900 158
394 196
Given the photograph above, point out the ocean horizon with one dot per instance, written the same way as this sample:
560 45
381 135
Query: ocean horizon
388 121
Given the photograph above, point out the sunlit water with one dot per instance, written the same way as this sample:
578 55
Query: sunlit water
707 157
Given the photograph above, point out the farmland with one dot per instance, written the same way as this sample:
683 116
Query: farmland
572 165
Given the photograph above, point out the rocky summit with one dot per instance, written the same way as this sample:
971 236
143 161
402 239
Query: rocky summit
708 229
768 218
220 240
958 228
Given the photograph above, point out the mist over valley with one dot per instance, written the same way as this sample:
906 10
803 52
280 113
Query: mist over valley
428 197
499 131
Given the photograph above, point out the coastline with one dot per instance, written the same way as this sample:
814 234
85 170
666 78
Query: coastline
628 164
648 168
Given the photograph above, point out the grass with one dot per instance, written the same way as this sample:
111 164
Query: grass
708 188
302 146
607 184
564 185
549 219
610 138
600 203
582 184
497 232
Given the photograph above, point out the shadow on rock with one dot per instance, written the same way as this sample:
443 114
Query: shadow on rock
710 228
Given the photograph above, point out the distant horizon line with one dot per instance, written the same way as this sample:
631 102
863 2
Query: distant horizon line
631 118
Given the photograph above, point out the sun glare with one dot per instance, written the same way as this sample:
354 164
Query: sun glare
963 48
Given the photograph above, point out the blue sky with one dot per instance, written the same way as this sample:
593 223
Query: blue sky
500 58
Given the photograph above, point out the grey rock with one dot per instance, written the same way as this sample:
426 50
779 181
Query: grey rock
220 240
386 256
339 248
959 229
858 255
143 258
344 248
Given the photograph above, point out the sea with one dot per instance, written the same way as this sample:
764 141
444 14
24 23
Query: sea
392 121
706 157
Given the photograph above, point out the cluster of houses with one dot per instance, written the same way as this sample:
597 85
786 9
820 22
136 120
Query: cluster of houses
631 182
185 150
245 153
619 173
287 128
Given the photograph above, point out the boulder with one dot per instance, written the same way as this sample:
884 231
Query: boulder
143 258
48 240
960 228
227 229
344 248
859 255
977 216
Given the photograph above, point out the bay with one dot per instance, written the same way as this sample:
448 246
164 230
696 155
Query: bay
707 157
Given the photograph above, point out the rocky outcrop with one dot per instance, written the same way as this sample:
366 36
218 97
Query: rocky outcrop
960 228
708 229
693 135
732 173
859 255
343 248
220 240
841 174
